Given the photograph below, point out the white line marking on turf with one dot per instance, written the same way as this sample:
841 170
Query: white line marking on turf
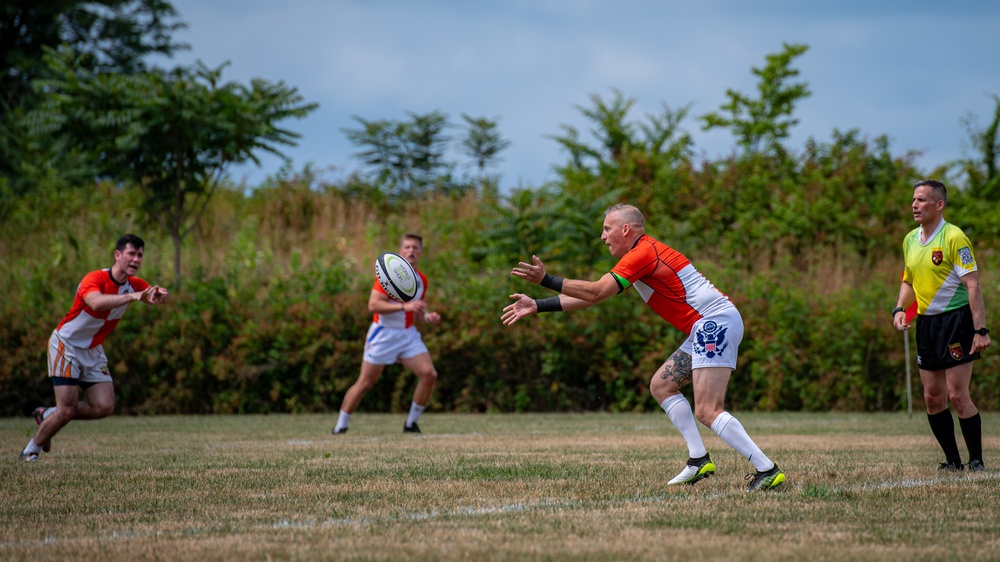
540 505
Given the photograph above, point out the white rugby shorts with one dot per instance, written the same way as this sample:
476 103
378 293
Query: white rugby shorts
69 364
715 340
385 346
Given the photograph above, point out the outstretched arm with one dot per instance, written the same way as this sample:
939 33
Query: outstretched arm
590 291
524 306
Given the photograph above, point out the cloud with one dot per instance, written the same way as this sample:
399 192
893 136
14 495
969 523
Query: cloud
910 70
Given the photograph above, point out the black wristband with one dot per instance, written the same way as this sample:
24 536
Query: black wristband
552 282
897 310
550 304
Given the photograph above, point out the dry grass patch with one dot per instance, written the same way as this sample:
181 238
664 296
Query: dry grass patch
487 487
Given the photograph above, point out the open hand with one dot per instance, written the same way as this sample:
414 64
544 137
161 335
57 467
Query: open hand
528 272
522 307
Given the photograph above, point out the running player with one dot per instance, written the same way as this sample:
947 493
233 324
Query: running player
392 338
76 357
681 295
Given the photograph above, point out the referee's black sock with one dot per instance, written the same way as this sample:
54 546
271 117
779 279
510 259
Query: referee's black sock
943 428
972 430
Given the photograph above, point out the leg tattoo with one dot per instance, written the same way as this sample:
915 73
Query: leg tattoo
677 368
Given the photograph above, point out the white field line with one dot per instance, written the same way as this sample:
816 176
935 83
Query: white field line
540 506
548 505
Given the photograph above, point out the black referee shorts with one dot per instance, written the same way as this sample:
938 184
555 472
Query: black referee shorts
944 340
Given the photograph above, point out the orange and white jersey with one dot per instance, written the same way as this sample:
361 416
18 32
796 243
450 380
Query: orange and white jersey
669 283
86 327
400 319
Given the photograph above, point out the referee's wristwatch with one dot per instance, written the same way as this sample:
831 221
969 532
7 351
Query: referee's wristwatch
897 310
983 331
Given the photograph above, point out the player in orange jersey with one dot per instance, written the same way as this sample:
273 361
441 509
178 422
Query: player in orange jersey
392 338
670 284
76 357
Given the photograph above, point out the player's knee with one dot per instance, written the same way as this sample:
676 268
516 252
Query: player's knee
661 388
935 402
102 410
363 385
430 375
961 401
706 414
658 391
65 413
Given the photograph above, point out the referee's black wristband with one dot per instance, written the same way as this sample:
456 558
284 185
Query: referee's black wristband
552 282
897 310
549 304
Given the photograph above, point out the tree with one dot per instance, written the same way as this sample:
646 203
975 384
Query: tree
405 158
117 35
483 143
172 134
760 124
629 155
983 172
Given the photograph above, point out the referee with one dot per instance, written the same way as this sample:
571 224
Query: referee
940 274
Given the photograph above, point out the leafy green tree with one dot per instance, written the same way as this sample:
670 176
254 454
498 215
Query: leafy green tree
483 143
115 36
628 155
172 134
405 158
761 123
983 172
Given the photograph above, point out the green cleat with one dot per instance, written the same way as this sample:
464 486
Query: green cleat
767 480
695 470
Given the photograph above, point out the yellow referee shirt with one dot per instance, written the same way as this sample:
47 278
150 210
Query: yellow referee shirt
935 268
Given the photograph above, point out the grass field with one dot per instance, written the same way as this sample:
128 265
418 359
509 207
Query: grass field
489 487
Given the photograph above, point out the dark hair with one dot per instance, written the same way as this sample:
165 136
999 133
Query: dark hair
937 188
127 239
412 236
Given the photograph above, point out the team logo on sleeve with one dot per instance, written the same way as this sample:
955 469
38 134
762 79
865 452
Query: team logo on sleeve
710 340
937 256
955 349
965 255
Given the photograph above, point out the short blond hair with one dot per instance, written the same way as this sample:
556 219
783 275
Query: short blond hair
628 214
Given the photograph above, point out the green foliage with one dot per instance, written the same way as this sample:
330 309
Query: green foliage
624 161
115 36
983 173
406 158
273 316
483 142
171 134
759 124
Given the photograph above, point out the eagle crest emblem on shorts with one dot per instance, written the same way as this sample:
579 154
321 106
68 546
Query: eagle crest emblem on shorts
937 256
955 350
710 340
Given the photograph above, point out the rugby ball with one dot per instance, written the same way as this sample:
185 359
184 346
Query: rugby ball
396 276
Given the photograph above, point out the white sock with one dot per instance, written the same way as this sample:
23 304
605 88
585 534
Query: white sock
730 430
415 411
48 412
32 448
679 411
342 421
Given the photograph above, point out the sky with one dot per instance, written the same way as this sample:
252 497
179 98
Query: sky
911 70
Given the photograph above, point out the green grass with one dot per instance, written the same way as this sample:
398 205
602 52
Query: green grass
488 487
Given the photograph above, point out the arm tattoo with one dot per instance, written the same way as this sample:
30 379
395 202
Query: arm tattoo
677 368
